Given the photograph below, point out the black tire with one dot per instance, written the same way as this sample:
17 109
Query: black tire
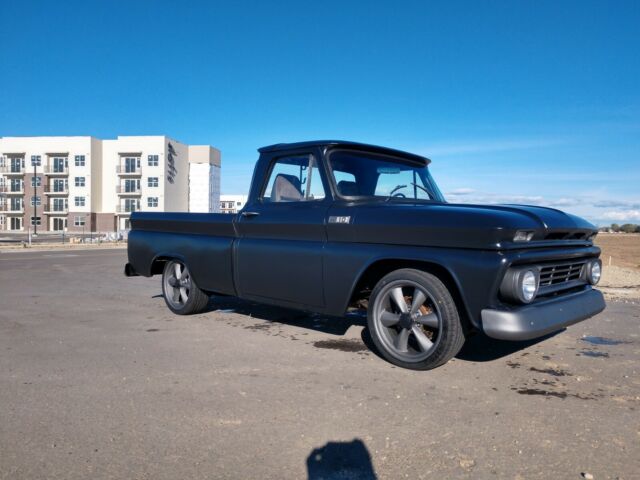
421 336
181 294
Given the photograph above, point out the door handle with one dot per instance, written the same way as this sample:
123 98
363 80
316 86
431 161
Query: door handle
250 214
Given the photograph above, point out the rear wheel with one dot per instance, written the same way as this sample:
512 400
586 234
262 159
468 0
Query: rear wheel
181 293
414 321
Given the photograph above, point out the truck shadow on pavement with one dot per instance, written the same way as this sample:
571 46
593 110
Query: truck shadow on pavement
480 348
295 318
341 460
477 348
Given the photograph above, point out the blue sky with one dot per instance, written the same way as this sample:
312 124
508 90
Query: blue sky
530 102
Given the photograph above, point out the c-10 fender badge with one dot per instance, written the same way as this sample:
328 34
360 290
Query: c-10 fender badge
336 219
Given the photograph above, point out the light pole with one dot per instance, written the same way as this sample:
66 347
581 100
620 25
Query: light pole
35 201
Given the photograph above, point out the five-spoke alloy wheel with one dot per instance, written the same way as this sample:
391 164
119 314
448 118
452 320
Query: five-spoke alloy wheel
413 320
181 293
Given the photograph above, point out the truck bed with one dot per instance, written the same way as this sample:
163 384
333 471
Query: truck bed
203 240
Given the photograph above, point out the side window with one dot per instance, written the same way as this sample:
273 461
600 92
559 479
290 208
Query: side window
294 179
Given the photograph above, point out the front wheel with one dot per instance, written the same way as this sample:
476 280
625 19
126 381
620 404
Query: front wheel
181 293
414 321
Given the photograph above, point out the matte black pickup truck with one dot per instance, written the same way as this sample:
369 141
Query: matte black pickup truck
333 225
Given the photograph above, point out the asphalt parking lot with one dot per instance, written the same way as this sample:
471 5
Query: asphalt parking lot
99 380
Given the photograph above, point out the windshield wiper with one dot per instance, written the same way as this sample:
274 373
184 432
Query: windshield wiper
395 189
423 189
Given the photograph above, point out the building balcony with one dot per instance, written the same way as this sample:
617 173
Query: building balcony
55 170
55 209
124 190
12 209
9 190
128 170
126 209
53 190
11 170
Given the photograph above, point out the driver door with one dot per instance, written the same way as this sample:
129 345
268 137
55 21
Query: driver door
279 254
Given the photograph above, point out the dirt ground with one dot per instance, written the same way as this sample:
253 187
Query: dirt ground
623 249
621 261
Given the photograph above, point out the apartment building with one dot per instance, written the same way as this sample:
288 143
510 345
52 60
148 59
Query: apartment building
232 203
92 185
204 179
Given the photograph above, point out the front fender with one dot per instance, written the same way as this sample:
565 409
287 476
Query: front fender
474 273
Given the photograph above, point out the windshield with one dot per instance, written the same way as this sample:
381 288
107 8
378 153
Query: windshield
362 174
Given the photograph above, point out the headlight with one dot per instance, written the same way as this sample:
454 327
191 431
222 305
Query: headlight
520 284
523 236
594 271
529 286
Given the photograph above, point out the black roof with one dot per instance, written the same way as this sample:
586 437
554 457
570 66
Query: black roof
344 144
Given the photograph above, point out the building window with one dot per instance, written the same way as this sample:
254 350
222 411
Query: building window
80 181
35 221
60 204
152 181
35 201
80 161
131 205
152 201
60 185
36 161
16 185
152 160
16 223
238 204
78 221
36 181
79 201
16 204
1 219
132 185
60 164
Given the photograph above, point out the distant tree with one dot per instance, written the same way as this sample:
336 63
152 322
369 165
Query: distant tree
628 228
615 227
637 228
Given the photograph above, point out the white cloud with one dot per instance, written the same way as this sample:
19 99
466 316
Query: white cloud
586 206
619 204
490 198
461 191
622 215
565 202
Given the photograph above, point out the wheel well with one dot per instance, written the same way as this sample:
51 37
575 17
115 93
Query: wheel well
379 269
157 266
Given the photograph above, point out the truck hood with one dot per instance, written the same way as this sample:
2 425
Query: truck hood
467 225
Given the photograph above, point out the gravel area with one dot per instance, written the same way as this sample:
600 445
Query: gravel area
620 283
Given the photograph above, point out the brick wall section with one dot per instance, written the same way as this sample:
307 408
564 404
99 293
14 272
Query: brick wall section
105 222
89 222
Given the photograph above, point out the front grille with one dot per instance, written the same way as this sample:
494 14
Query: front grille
565 236
560 273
